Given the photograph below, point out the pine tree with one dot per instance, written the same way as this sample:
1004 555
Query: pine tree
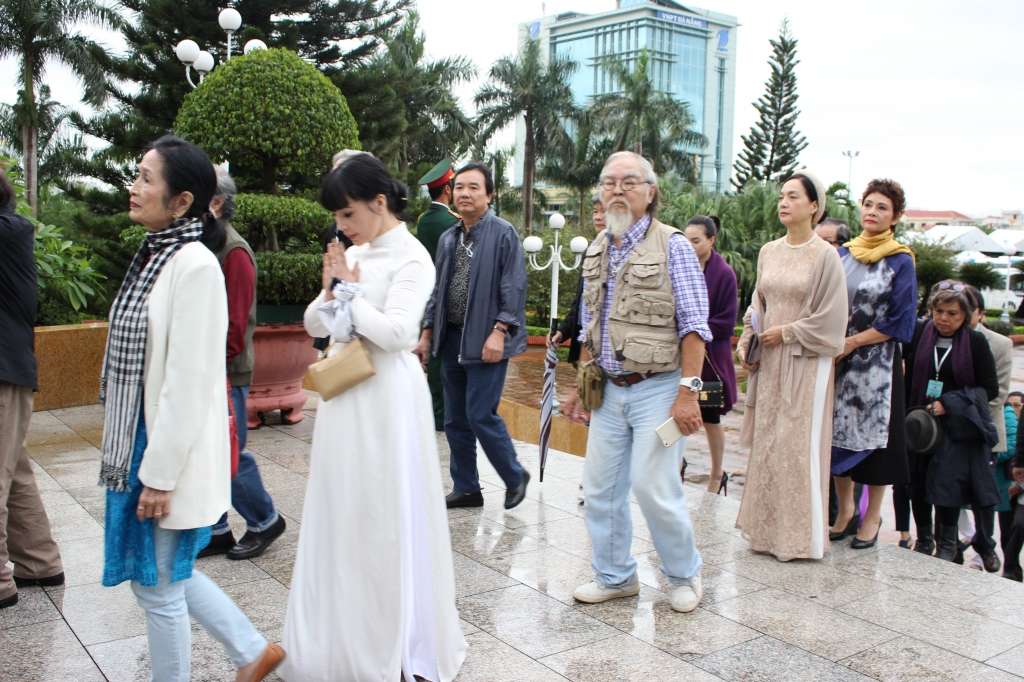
773 145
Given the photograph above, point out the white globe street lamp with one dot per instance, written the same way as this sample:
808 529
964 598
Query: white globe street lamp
254 44
230 20
191 56
533 245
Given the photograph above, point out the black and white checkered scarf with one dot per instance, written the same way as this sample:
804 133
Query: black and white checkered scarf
125 358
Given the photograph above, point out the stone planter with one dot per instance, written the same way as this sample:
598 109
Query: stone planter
69 358
283 354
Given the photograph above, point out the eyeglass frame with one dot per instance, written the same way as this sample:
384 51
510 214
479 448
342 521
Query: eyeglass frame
621 183
955 286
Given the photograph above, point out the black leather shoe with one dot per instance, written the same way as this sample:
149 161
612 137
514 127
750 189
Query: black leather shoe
253 544
991 561
456 500
219 544
851 529
10 601
945 542
52 581
857 543
518 494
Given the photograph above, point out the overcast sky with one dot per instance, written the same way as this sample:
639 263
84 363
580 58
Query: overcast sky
930 93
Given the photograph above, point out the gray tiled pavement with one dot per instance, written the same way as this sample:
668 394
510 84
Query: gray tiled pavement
885 613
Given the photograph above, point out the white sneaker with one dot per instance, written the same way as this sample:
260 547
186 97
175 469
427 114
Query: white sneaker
595 592
686 595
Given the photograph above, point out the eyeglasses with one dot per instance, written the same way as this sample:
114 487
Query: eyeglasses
951 285
627 184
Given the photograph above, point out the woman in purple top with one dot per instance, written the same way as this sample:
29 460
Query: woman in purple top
723 302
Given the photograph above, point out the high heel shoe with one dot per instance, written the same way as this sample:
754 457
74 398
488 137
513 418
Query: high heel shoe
851 529
723 489
857 543
682 472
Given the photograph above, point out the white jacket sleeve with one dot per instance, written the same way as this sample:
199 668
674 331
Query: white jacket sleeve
197 333
397 327
311 319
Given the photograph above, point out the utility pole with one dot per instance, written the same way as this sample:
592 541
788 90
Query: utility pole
849 178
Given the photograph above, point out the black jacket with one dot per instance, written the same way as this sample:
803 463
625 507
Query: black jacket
570 327
960 471
18 299
497 288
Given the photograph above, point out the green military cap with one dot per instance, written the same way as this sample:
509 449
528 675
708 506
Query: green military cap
438 175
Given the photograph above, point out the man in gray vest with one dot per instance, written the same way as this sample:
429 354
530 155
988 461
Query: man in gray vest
248 496
644 317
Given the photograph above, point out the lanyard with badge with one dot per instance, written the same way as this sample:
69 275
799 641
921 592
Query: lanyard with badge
934 389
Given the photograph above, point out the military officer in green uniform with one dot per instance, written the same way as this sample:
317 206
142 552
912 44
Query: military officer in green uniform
431 225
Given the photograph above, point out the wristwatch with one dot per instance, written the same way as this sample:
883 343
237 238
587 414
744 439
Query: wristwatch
692 383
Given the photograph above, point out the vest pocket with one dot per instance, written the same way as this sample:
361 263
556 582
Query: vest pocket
591 266
646 351
646 275
652 308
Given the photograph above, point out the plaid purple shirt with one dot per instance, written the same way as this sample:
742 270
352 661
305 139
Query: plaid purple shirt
691 293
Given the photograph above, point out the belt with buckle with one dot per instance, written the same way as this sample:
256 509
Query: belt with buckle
630 379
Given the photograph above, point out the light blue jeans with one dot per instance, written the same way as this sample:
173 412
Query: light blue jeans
624 450
168 607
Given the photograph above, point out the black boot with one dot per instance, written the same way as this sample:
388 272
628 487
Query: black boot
945 542
925 543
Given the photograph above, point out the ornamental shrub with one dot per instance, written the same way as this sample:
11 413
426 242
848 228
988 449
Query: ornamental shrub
270 110
288 278
298 223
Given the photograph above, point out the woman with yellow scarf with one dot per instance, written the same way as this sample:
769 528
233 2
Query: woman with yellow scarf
867 429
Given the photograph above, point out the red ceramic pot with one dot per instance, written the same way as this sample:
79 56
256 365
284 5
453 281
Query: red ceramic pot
283 354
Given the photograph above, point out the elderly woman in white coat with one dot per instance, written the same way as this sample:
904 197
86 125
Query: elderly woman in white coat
373 591
166 449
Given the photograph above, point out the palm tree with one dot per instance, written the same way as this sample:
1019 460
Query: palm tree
650 122
579 167
540 92
57 151
37 31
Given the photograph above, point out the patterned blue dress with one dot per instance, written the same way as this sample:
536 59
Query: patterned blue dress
129 553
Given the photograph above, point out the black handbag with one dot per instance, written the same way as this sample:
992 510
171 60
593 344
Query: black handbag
712 393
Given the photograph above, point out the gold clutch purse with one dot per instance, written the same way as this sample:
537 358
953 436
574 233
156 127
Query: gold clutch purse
334 375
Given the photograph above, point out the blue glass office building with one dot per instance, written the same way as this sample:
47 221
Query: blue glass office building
693 59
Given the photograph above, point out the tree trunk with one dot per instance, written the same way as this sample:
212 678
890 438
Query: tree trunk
529 166
269 182
30 131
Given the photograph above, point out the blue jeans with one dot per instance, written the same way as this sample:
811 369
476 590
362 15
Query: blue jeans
471 397
624 450
248 496
168 607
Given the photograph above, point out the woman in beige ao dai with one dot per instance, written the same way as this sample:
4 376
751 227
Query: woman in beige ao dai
800 308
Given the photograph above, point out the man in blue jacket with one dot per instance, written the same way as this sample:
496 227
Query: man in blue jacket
476 319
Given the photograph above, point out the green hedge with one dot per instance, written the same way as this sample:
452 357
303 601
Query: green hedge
300 223
288 278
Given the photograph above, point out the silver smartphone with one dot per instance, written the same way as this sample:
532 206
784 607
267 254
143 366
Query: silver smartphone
669 432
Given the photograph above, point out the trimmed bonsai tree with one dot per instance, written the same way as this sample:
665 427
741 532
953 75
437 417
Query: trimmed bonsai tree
272 112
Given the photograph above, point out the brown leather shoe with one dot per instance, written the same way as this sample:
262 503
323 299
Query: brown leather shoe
271 658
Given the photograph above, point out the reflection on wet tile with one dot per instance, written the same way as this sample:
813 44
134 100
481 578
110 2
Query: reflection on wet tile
800 622
478 538
472 577
623 658
905 658
93 498
944 626
649 617
33 607
531 622
83 561
45 652
548 570
100 614
72 522
75 474
919 574
821 583
526 513
491 660
766 659
571 535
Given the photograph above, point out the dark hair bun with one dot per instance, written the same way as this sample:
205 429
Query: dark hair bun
710 223
399 199
717 222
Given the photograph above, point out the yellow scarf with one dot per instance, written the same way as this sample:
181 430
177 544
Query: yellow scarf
873 249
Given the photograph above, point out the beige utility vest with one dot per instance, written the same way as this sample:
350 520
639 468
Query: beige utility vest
642 320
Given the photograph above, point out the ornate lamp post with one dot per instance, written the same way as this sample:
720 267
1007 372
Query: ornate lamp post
533 245
202 61
849 178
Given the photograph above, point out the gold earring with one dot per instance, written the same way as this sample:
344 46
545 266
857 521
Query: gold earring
177 216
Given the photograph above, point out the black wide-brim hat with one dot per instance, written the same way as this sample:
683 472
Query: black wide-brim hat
924 432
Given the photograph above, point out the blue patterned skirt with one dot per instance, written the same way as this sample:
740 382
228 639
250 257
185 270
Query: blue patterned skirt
129 553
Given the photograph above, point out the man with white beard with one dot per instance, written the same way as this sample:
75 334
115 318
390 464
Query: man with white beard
644 317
